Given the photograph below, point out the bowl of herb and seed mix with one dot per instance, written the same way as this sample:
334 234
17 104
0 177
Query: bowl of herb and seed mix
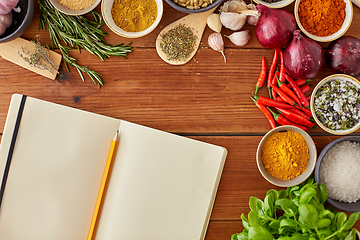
338 167
335 104
323 21
132 19
75 7
193 6
274 3
286 156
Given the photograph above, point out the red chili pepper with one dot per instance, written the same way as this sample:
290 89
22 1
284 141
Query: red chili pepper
266 112
261 79
272 70
289 92
295 117
301 113
283 95
279 99
305 110
275 78
282 67
305 88
270 102
301 82
284 121
297 90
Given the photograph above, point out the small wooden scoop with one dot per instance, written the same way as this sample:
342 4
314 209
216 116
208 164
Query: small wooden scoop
197 22
10 51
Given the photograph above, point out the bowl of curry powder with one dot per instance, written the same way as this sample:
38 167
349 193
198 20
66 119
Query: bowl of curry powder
132 19
286 156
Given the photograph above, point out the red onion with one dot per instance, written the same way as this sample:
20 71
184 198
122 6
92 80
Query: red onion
7 5
5 22
343 56
275 27
303 58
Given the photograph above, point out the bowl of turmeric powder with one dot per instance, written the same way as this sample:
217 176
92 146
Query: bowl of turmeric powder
324 20
132 19
286 156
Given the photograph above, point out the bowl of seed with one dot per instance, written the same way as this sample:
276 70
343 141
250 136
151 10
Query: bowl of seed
335 104
132 19
193 6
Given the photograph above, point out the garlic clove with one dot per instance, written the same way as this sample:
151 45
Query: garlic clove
233 21
214 23
216 42
252 19
240 38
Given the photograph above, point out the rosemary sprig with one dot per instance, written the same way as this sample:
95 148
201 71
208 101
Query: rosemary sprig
69 32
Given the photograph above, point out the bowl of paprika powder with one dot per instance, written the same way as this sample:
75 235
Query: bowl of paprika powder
286 156
324 20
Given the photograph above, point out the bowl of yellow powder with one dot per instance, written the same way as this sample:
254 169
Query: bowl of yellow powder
132 18
75 7
286 156
323 21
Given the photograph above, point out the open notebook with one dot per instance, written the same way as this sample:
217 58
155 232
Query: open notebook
162 186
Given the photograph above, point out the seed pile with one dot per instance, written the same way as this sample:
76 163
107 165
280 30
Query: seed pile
337 104
194 4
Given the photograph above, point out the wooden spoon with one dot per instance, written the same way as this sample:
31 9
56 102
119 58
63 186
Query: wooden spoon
197 22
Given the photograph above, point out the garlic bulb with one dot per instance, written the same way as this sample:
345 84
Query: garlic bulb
233 21
214 23
5 22
234 6
216 42
7 5
252 19
240 38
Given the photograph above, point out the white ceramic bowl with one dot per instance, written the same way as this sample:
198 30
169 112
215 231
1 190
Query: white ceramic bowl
279 4
68 11
106 7
312 105
299 179
342 30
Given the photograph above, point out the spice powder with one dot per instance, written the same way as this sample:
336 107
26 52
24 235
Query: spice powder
322 18
285 155
134 15
77 4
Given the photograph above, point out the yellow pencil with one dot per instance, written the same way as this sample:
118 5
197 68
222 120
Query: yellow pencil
103 186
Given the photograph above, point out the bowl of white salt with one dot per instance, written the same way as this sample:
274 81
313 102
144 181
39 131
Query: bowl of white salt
338 168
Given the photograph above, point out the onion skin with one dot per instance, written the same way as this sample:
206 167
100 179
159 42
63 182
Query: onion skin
303 58
343 56
275 27
5 22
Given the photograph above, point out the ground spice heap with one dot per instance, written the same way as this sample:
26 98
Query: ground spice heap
178 43
285 155
77 4
134 15
322 18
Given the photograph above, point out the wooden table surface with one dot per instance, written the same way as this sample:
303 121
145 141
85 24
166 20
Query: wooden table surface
205 99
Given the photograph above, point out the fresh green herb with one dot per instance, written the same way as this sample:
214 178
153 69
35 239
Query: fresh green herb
302 216
69 32
178 43
40 58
